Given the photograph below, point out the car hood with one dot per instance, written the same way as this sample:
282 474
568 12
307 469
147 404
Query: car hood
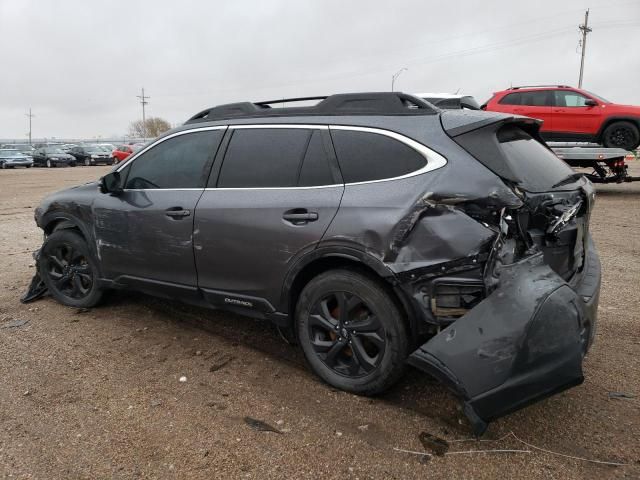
15 157
632 109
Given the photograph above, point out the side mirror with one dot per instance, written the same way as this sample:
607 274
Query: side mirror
111 183
590 103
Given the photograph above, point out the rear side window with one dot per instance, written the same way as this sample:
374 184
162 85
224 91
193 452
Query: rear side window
178 162
538 98
533 163
366 156
264 157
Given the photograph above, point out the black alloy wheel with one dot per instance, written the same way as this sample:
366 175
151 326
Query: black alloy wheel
346 335
67 268
623 135
351 331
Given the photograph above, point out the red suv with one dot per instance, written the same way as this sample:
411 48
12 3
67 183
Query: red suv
572 115
123 151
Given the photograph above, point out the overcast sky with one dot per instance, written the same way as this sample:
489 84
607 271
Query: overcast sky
80 64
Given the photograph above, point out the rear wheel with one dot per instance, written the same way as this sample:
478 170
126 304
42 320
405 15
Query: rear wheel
4 165
69 270
621 135
49 163
87 162
114 160
351 331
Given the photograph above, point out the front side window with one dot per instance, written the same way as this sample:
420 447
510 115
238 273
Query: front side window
564 98
264 157
178 162
367 156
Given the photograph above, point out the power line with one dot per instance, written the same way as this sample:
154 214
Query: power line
143 101
584 28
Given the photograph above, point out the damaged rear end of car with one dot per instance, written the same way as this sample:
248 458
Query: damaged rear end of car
506 277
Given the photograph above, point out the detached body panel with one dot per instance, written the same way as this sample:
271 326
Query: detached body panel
523 343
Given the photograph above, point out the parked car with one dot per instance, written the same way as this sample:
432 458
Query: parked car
21 147
377 230
107 146
91 155
449 101
52 157
572 114
10 158
67 146
122 152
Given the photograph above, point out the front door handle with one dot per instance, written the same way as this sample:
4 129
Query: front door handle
177 212
300 216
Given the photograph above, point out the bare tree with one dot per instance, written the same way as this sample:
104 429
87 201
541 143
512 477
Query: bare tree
155 126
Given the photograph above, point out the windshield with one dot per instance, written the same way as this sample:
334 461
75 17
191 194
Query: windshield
53 150
94 150
7 152
598 97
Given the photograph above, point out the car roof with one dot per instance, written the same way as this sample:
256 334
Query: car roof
441 95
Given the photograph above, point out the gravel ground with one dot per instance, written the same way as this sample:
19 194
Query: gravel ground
97 394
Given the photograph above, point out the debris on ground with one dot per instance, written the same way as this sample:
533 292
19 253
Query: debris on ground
182 379
156 402
220 360
434 444
260 426
37 288
14 323
621 395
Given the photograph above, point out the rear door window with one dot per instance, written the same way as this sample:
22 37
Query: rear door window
315 169
368 156
178 162
536 98
264 158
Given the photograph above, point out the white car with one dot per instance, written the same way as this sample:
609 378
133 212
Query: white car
450 101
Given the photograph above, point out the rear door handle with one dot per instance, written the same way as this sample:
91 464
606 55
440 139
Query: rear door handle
300 216
177 212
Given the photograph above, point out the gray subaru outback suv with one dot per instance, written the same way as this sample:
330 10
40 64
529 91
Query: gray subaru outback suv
380 230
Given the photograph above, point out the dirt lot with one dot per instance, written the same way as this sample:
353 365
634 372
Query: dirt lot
97 394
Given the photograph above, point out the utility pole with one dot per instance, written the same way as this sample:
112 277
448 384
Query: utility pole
143 102
30 115
584 28
396 75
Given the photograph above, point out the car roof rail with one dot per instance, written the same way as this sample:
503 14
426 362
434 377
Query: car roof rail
373 103
538 86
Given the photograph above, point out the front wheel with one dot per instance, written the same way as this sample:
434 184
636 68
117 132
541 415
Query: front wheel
352 332
623 135
87 162
49 164
69 270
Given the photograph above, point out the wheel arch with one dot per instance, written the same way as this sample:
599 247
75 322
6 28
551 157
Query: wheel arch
322 260
55 221
610 120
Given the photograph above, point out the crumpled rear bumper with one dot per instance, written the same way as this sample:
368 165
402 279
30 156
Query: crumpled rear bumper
521 344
